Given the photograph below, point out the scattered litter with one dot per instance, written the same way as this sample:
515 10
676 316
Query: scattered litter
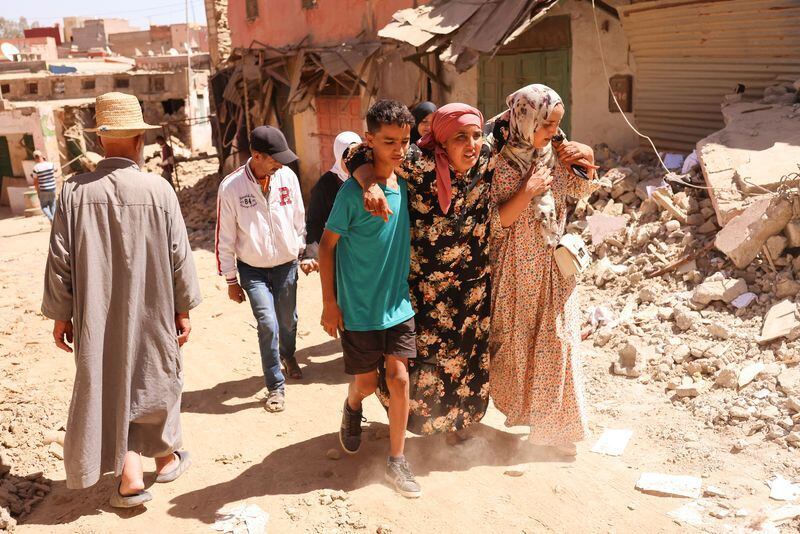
673 161
613 442
690 513
690 162
333 454
782 489
744 300
515 471
242 519
670 485
600 316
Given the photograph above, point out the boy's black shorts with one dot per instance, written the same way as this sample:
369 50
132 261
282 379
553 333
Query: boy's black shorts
364 351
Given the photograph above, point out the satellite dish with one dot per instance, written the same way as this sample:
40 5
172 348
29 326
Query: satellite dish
9 51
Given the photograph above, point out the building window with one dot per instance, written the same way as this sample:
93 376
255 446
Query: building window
310 4
58 87
32 88
87 85
121 83
251 8
156 84
5 88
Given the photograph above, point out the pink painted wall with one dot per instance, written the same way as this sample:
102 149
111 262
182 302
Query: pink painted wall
285 22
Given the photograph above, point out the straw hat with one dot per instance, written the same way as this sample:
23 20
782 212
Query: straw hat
120 116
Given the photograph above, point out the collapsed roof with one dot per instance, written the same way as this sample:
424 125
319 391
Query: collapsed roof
460 30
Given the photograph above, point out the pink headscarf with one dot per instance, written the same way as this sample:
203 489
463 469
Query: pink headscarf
446 121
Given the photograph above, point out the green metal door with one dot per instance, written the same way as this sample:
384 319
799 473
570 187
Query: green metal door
5 158
500 76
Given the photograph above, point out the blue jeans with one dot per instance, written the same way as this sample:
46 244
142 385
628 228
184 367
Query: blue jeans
47 199
272 293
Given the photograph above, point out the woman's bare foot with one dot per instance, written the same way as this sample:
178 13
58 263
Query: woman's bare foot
132 474
165 464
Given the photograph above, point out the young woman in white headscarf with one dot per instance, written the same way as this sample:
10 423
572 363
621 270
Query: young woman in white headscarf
535 376
322 196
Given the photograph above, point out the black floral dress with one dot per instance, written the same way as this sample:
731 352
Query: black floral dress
450 290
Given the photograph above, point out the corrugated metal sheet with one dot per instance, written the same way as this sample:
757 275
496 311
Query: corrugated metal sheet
690 53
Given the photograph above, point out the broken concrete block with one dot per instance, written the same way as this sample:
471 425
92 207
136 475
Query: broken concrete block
749 373
685 319
789 382
776 245
719 330
663 200
780 321
716 287
744 235
786 288
727 378
602 225
690 390
792 232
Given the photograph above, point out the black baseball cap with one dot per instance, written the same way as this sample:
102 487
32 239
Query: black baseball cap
271 141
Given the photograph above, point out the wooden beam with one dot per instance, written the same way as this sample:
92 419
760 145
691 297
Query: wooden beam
428 72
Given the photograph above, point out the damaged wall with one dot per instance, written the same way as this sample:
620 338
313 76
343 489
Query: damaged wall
592 121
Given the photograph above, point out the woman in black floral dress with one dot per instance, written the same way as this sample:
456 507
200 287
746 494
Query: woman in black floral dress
450 268
449 277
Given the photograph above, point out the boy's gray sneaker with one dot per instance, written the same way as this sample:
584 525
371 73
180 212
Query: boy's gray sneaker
350 430
398 473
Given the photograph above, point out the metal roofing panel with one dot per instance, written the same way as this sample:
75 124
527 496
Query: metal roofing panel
690 53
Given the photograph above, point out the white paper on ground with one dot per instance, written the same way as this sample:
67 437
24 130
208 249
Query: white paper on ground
659 483
690 513
613 442
782 489
242 519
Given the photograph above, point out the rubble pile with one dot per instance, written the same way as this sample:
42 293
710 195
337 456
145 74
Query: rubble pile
198 204
24 428
710 313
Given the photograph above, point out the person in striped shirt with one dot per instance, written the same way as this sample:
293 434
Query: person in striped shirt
44 180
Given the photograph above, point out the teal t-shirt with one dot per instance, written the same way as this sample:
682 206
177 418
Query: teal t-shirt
372 259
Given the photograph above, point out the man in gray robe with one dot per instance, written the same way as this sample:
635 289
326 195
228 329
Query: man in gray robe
120 281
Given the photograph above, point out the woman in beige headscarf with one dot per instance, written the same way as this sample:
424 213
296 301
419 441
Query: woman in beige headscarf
535 332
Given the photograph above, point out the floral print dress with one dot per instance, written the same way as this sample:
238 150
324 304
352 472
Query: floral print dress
450 291
536 374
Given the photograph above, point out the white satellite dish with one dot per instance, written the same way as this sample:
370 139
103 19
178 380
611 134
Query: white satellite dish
9 51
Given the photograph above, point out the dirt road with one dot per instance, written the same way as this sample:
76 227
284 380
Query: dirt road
278 461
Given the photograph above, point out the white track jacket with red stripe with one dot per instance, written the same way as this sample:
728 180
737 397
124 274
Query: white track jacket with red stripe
261 230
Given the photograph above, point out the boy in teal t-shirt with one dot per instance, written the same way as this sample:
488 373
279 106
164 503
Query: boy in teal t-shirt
369 303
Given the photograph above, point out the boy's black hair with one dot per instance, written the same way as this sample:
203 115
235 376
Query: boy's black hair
160 138
388 112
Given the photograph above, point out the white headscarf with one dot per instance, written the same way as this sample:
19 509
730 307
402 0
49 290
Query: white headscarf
529 108
340 144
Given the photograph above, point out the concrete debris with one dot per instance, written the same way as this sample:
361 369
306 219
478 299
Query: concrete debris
780 321
789 382
690 513
717 287
744 237
749 373
670 485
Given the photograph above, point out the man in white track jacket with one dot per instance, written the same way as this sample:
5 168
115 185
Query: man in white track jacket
260 235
